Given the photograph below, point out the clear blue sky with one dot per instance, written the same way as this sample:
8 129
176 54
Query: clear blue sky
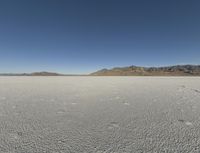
81 36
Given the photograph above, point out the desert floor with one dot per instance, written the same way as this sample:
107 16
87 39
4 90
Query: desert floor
99 114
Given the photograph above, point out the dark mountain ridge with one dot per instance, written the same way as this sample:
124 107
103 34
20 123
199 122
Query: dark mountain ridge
177 70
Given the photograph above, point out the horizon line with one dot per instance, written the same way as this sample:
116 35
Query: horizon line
61 73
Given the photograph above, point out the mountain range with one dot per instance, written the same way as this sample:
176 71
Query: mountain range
176 70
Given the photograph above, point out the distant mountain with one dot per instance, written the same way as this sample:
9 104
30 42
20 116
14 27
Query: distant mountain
177 70
45 74
32 74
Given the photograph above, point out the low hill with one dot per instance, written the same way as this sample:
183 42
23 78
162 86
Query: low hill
177 70
32 74
45 74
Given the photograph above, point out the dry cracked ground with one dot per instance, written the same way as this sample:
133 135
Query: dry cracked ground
99 114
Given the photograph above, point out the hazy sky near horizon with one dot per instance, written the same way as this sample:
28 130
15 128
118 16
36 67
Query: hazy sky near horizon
81 36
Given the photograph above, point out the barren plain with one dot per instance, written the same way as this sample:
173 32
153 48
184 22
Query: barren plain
99 114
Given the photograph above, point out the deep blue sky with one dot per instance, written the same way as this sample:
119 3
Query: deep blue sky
81 36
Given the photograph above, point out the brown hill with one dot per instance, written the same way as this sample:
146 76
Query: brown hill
44 74
177 70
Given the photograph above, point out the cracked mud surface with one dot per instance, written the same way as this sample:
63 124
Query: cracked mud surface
99 114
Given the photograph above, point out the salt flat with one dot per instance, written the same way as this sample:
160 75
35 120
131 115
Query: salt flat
99 114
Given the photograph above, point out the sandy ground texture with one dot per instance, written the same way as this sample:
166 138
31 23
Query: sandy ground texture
99 114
